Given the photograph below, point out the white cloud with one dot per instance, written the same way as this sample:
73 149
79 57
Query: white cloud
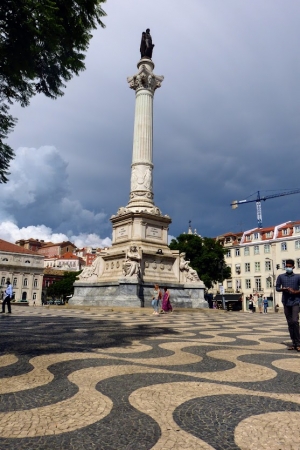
10 232
90 240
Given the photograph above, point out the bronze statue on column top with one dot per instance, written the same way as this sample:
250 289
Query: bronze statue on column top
146 47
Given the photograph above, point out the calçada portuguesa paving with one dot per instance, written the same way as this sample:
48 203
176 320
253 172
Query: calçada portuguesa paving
125 379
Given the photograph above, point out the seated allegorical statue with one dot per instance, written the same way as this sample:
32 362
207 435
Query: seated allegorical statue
131 265
184 266
93 269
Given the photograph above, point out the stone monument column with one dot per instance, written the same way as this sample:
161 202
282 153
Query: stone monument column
145 82
139 257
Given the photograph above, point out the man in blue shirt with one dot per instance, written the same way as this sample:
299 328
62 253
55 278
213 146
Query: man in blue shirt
7 296
289 284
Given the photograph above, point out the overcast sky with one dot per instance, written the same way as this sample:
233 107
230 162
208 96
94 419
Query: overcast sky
226 123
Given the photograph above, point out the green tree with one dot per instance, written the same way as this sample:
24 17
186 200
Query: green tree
206 256
64 287
42 45
7 123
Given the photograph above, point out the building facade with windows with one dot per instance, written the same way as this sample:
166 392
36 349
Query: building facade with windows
258 256
68 262
47 249
24 268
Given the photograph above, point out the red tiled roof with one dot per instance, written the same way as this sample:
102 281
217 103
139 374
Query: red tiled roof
13 248
68 255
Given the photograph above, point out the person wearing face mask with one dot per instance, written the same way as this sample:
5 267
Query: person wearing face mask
289 284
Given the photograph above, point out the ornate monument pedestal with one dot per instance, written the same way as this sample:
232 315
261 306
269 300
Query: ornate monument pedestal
140 256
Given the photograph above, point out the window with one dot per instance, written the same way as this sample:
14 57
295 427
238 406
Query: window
297 229
256 235
283 263
267 265
237 252
267 248
27 261
34 296
247 267
229 284
258 284
256 249
25 282
248 284
297 245
35 283
238 285
3 281
246 251
268 282
298 263
269 234
285 232
15 282
228 254
283 246
237 268
248 237
257 266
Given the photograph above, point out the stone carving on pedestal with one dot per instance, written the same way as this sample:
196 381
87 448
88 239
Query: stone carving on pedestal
156 211
90 271
131 266
141 178
189 273
122 210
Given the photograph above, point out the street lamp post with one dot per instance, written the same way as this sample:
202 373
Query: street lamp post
222 291
273 284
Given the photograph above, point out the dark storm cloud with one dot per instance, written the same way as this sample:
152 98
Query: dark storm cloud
226 120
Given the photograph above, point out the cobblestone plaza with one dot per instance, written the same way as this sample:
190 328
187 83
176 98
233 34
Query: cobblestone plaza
120 380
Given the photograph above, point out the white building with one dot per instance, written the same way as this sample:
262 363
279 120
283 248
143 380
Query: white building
67 262
258 256
24 268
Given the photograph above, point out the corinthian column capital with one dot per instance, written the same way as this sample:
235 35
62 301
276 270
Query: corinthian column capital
145 78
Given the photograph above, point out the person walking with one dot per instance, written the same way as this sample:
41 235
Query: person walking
166 304
250 304
260 303
266 304
289 284
7 297
155 299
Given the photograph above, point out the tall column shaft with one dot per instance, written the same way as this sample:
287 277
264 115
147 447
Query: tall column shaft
144 83
143 128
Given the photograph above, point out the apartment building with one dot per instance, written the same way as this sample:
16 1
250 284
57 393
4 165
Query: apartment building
24 268
67 262
256 257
